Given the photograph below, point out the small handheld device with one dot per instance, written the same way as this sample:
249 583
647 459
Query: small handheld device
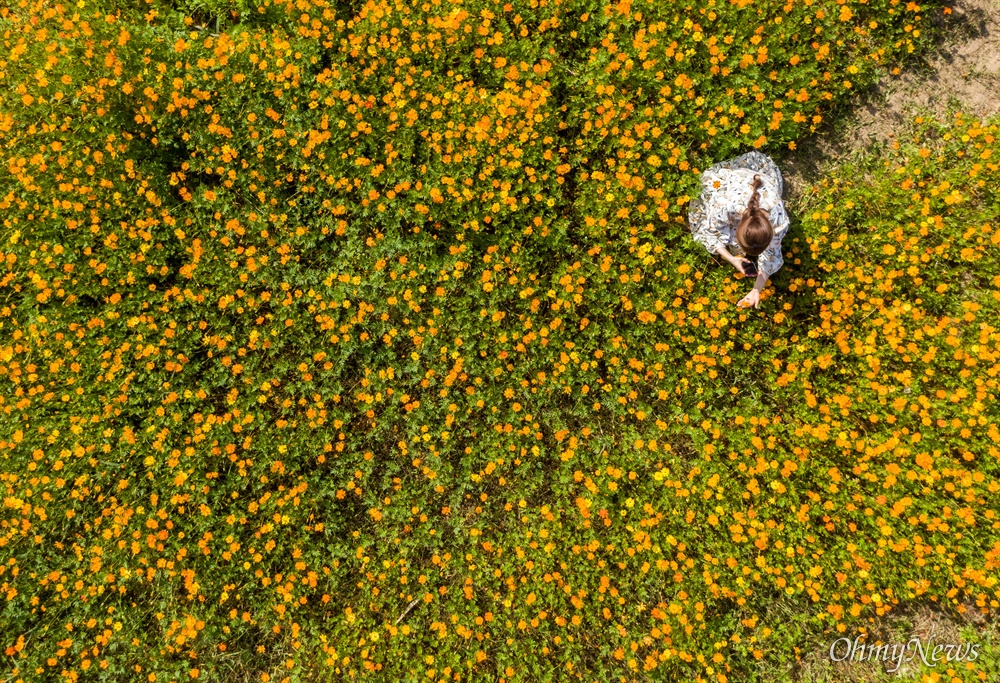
749 269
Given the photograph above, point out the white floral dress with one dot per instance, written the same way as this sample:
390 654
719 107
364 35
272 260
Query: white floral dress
726 189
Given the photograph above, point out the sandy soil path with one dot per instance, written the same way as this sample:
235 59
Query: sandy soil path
961 74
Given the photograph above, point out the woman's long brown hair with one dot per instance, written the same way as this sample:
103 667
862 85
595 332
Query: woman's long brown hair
754 231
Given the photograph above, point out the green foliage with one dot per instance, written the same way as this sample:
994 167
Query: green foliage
350 306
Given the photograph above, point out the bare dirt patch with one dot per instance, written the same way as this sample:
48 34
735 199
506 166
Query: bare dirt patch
961 74
964 74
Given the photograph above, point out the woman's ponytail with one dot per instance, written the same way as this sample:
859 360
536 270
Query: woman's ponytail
754 231
754 205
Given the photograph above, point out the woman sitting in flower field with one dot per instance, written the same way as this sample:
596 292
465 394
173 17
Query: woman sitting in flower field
740 212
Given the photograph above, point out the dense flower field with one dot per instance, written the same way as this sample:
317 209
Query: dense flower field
345 340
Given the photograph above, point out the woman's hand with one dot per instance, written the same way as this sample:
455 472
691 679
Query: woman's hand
753 296
751 299
736 262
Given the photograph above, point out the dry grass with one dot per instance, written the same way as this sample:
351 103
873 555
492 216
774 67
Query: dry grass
926 620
